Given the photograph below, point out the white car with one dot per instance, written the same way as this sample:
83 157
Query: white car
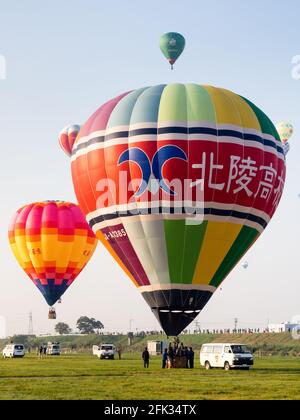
13 350
53 349
105 351
226 356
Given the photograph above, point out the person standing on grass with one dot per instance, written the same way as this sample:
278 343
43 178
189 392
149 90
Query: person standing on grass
171 355
164 358
41 351
119 351
146 358
191 358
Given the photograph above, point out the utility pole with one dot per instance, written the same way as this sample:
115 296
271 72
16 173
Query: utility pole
30 324
198 326
131 321
130 333
235 324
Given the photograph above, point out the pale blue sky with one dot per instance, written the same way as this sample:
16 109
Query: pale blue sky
64 59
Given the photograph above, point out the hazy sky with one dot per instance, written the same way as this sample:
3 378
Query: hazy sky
64 59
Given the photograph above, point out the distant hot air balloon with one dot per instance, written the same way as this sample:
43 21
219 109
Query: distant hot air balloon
286 148
285 131
52 242
181 182
172 45
245 265
67 138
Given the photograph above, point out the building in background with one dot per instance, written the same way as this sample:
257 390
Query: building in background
283 327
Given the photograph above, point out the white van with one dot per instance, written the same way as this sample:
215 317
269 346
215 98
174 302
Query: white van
226 356
53 349
13 350
105 351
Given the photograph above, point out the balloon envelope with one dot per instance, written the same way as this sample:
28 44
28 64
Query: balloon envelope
172 45
178 181
67 138
52 243
285 131
245 265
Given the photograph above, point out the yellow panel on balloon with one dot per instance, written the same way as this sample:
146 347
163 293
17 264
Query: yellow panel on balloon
232 110
218 240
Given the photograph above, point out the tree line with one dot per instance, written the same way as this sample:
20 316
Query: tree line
85 325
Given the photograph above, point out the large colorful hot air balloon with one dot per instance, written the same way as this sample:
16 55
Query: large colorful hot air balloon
172 45
178 181
67 138
52 242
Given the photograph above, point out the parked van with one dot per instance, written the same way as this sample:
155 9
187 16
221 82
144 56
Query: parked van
226 356
14 350
105 351
53 349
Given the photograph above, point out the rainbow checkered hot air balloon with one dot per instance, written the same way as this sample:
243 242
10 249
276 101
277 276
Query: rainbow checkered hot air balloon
178 181
52 242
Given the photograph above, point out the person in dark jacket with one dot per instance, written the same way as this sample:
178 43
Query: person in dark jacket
191 358
41 351
164 358
146 357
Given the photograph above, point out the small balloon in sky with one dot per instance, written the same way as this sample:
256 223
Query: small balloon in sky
286 148
285 131
245 265
67 138
172 45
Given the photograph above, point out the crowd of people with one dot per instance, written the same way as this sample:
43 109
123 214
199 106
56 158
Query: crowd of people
41 351
175 356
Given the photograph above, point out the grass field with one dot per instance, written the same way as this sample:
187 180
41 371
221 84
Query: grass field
86 377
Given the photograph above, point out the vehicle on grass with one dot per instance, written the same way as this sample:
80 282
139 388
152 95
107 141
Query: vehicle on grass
156 348
105 351
53 349
226 356
13 351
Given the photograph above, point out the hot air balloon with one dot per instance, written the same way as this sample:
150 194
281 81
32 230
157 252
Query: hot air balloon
178 181
67 138
245 265
172 45
285 131
52 242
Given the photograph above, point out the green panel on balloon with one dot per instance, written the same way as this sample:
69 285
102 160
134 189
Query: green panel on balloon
183 246
243 242
267 127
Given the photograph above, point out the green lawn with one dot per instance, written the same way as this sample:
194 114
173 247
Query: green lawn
86 377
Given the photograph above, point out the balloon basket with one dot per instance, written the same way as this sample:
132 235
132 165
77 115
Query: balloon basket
52 314
178 363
